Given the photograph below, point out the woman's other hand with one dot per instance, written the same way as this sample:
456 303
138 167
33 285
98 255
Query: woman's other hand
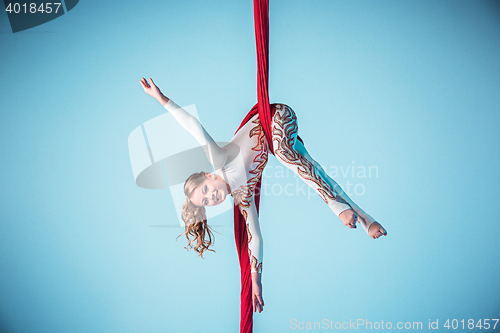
257 301
152 90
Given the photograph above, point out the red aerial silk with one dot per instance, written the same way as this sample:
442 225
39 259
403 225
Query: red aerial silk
261 18
240 236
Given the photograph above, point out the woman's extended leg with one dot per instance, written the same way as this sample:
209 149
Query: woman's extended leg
292 153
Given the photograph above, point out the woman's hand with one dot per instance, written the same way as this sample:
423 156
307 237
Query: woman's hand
257 301
152 90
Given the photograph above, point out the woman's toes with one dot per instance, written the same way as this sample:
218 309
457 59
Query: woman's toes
376 230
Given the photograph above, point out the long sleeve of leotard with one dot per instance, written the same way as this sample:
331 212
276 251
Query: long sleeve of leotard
255 244
215 154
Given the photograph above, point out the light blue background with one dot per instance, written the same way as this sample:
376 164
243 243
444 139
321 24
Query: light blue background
410 87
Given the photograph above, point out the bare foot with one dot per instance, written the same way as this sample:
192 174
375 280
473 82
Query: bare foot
376 230
349 218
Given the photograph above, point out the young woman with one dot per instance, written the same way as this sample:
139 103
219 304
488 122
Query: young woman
238 168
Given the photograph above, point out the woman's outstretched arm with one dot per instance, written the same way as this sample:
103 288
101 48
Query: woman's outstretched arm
215 154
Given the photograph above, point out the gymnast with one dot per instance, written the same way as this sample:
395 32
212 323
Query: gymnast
238 167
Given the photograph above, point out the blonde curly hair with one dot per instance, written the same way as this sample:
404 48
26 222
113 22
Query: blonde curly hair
195 218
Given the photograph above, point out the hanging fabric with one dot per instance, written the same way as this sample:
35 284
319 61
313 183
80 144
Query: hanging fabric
261 20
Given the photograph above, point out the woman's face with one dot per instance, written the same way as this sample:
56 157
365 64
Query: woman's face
211 192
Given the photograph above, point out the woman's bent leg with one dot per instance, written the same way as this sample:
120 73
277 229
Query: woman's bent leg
293 154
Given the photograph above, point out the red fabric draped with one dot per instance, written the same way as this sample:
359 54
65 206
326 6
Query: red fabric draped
240 235
261 18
